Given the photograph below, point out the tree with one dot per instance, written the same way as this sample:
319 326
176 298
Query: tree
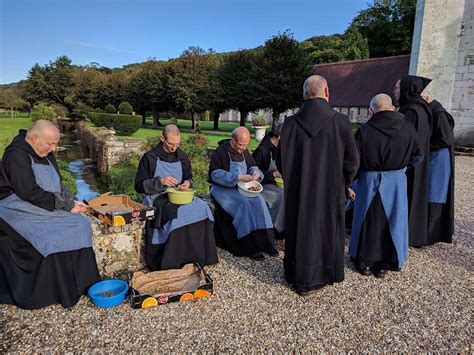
12 100
42 112
125 108
238 76
388 26
281 73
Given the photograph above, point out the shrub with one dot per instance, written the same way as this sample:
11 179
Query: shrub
96 118
42 112
60 110
125 108
260 120
110 109
121 177
124 125
67 177
205 116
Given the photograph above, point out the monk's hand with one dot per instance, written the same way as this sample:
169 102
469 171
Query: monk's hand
255 175
168 181
184 185
246 178
276 174
351 195
79 207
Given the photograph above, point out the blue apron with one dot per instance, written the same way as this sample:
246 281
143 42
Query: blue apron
392 186
439 175
194 212
48 231
249 213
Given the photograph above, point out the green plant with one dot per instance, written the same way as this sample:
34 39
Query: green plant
96 118
42 112
124 125
60 110
125 108
67 178
110 109
121 177
260 120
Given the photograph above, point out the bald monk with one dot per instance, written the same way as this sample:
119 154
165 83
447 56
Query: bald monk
179 234
387 145
46 254
243 225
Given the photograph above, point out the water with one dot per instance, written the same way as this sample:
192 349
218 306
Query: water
88 180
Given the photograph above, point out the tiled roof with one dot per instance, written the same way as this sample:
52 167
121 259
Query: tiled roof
354 83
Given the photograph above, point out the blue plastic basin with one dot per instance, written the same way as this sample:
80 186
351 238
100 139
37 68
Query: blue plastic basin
108 293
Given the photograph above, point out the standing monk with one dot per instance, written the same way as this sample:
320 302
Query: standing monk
407 92
387 144
318 159
441 185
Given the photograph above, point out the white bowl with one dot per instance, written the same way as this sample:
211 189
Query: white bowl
244 188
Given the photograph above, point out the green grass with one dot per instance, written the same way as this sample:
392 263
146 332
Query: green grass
9 128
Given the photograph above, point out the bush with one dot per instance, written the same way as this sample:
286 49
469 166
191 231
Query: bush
124 125
121 177
125 108
67 177
42 112
205 116
110 109
260 120
60 110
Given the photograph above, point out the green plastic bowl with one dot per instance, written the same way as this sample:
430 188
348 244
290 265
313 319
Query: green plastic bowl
178 197
279 182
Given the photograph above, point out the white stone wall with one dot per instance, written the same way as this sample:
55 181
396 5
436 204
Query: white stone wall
234 116
442 40
356 114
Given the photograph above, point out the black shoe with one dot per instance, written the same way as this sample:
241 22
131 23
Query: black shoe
365 271
273 252
257 256
380 273
304 293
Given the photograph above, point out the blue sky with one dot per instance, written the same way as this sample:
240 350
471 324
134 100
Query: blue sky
118 32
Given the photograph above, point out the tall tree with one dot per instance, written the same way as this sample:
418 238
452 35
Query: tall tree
388 27
282 70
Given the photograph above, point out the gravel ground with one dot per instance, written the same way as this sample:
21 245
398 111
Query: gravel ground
426 307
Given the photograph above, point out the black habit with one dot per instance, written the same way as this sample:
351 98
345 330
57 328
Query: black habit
441 215
318 159
417 112
263 156
386 142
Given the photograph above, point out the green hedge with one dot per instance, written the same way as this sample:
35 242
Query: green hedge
124 125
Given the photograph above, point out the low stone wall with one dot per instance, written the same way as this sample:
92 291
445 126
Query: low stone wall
119 251
104 148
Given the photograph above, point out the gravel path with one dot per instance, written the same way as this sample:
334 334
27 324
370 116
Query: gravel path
426 307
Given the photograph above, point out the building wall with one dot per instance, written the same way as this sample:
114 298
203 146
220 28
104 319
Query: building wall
442 40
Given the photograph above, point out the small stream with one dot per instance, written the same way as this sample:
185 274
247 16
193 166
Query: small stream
88 180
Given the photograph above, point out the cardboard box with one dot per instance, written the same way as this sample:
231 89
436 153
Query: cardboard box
118 210
138 300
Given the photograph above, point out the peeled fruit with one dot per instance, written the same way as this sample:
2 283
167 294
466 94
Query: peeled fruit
119 221
201 293
186 297
149 302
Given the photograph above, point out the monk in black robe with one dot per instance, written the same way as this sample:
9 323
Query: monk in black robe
441 189
387 144
318 159
179 234
407 92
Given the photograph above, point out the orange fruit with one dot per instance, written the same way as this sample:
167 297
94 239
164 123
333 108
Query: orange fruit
149 302
186 297
201 293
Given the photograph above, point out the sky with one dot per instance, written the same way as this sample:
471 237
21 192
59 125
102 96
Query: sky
114 33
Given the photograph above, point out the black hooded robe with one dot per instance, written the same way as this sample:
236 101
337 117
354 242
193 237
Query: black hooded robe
441 215
27 278
417 112
386 142
188 244
318 159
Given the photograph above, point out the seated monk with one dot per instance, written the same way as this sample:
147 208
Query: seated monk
243 224
179 234
46 254
265 156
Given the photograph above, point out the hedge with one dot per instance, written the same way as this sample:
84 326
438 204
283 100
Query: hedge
124 125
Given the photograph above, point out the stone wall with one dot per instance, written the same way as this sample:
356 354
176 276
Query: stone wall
356 114
104 148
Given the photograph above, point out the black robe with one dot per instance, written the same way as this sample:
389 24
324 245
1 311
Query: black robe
263 156
441 216
417 112
386 142
318 159
226 236
188 244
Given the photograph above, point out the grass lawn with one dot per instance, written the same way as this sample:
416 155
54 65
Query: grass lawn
9 128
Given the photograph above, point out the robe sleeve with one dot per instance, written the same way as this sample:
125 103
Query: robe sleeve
417 155
17 166
220 176
145 183
442 136
351 158
263 164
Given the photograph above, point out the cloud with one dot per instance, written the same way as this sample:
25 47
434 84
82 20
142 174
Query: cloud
98 46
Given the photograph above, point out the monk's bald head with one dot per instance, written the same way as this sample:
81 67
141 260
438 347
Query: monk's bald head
43 136
171 130
381 102
240 139
171 138
315 87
